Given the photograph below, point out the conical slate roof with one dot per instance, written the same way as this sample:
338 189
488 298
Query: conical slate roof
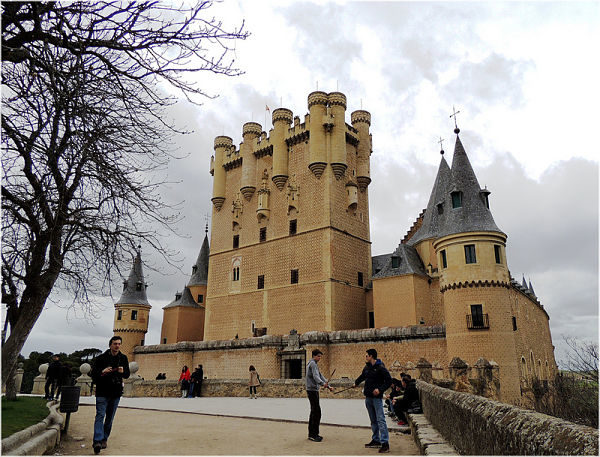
531 288
473 215
185 299
409 262
200 269
134 292
433 218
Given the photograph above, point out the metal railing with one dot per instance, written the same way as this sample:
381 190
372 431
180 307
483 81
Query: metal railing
478 321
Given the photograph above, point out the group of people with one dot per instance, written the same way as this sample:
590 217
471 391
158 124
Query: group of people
403 397
191 383
112 367
57 375
377 380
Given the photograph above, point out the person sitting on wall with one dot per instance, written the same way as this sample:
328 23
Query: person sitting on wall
410 400
395 392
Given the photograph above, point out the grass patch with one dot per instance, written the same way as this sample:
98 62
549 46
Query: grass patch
23 412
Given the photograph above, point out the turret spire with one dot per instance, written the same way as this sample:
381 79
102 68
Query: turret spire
134 288
454 113
200 269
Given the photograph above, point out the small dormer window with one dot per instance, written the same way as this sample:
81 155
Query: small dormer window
484 193
395 261
456 199
138 286
194 268
440 208
124 285
487 201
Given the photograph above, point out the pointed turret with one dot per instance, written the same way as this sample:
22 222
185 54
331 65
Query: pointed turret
200 268
524 284
436 208
465 204
132 310
531 289
134 289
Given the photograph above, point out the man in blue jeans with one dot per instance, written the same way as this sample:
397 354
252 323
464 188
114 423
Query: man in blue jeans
108 372
377 380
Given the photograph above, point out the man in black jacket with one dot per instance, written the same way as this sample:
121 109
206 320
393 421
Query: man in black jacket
108 373
377 380
52 375
411 395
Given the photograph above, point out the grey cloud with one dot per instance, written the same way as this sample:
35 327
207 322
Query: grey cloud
495 79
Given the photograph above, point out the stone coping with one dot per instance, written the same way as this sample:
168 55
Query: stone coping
36 439
427 438
478 426
314 337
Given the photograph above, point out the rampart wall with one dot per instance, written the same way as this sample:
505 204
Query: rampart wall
478 426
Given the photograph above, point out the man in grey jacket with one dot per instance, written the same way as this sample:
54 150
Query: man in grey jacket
314 380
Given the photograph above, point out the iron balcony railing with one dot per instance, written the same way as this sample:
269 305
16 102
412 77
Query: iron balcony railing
477 321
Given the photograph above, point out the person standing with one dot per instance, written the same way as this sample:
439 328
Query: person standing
314 381
184 379
377 380
254 381
196 382
52 376
109 370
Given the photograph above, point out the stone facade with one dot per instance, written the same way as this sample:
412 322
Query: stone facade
290 251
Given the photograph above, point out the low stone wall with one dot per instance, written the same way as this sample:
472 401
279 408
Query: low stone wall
477 426
273 388
37 439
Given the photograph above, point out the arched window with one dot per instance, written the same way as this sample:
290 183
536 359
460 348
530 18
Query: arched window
523 368
532 361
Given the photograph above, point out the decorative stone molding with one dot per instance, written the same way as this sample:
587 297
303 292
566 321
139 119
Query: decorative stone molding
480 283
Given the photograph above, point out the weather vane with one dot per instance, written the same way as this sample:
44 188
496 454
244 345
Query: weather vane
441 146
454 113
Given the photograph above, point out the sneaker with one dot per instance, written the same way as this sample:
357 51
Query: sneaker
402 423
97 447
103 444
373 444
385 448
317 438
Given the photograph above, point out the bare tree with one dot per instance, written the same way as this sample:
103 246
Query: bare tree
582 358
85 140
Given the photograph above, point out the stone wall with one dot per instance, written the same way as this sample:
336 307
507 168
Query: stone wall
272 388
479 426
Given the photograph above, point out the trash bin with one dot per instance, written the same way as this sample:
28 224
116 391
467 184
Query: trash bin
69 399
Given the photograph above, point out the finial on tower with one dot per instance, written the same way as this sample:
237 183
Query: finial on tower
441 146
454 113
206 227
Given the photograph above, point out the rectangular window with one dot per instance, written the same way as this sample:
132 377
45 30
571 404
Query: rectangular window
263 234
236 241
360 278
514 322
477 315
134 315
497 253
142 343
119 315
200 298
261 282
164 341
444 260
293 226
138 286
395 262
294 277
470 253
456 199
371 319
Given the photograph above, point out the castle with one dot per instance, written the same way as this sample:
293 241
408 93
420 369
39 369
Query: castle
290 267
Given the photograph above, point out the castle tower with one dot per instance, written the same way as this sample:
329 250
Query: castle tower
132 310
298 255
183 318
473 274
250 132
361 121
223 144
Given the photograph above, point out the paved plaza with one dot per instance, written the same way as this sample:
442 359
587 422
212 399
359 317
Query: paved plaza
229 426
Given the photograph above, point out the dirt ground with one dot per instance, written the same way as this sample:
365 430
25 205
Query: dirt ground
144 432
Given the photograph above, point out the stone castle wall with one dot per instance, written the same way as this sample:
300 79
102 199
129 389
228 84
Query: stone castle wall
478 426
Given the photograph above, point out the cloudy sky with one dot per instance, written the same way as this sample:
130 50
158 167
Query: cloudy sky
524 77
